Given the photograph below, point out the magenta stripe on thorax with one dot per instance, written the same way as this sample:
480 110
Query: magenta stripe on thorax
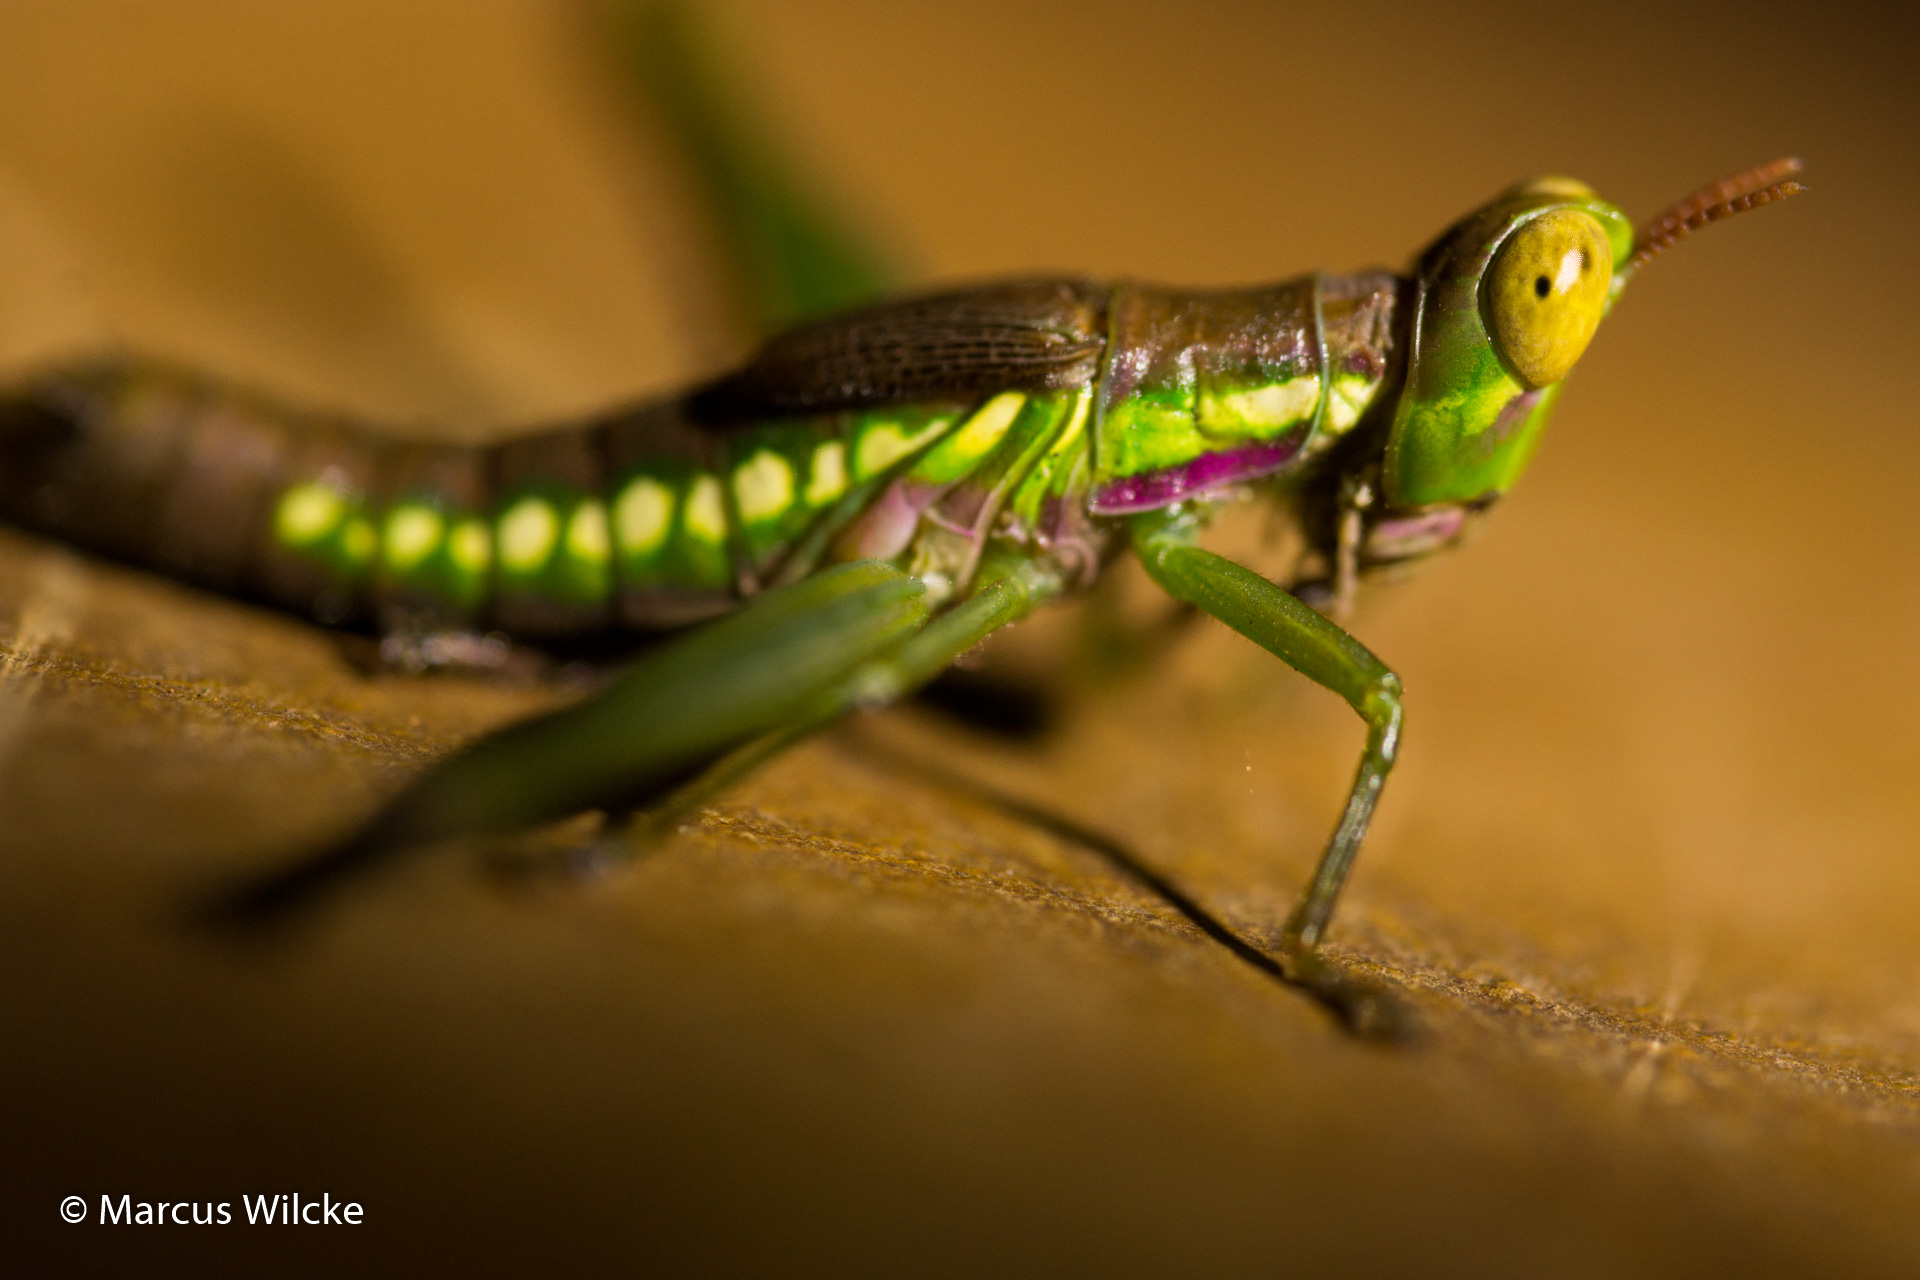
1151 490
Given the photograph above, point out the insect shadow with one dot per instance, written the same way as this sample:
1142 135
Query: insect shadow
998 705
268 910
1364 1008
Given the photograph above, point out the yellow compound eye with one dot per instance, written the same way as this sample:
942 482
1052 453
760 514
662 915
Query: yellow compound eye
1545 293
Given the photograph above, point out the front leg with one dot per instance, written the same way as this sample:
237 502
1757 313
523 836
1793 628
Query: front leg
1356 496
1316 648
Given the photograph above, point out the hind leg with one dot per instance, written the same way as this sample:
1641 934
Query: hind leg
880 680
659 723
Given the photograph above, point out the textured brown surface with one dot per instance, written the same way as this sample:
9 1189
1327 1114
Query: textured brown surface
1647 871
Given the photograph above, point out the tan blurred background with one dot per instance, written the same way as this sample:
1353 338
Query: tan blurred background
1647 872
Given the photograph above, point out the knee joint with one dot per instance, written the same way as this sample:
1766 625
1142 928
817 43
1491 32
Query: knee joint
1380 706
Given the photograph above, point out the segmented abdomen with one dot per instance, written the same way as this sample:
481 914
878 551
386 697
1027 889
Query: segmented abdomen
638 519
1028 414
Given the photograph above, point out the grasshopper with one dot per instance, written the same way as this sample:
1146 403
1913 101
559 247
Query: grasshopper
871 495
876 492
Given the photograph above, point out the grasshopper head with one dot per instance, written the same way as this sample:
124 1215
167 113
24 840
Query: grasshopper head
1507 301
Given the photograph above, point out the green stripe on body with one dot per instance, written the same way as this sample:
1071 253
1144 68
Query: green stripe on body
1160 427
1049 475
995 451
965 448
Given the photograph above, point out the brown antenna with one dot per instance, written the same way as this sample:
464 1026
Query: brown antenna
1759 185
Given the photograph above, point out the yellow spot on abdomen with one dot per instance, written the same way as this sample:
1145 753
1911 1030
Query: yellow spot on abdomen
763 486
587 533
528 530
983 430
412 534
643 516
308 513
880 447
884 443
827 478
706 514
358 541
471 547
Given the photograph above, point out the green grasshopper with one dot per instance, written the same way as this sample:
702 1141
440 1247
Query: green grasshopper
875 493
872 495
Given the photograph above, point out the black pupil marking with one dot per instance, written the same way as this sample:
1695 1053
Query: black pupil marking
1542 286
